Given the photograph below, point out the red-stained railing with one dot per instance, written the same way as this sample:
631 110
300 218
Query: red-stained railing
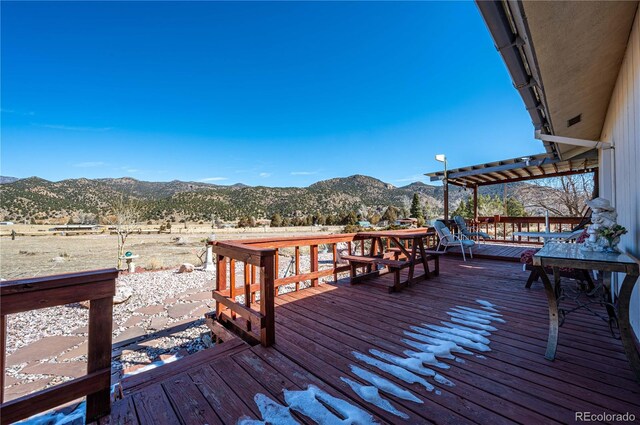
98 287
502 229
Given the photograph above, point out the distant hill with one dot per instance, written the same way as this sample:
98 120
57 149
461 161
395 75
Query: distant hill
7 179
41 200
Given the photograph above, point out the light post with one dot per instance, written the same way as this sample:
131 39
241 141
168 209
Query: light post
442 158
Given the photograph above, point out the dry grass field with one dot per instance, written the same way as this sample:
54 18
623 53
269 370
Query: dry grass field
30 256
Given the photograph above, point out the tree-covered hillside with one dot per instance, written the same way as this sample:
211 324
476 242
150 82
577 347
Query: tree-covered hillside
37 200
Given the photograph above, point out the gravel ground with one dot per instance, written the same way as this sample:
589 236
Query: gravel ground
160 301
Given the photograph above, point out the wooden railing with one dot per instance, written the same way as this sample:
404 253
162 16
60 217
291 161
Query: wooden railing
501 229
98 287
225 292
259 272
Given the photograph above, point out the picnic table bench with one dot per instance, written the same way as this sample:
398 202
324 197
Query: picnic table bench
395 258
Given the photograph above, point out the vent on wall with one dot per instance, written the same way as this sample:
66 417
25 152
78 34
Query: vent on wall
575 120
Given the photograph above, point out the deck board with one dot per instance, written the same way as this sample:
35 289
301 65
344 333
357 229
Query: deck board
318 329
494 251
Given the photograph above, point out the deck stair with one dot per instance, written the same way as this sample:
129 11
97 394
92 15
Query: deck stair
139 382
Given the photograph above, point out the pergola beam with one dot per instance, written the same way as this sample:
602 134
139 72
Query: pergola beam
502 167
544 176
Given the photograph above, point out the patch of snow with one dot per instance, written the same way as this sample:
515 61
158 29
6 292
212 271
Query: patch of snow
479 315
465 342
412 364
427 358
480 356
455 331
397 371
469 318
271 413
384 384
352 414
474 324
371 394
436 346
306 403
487 305
460 360
465 328
76 417
153 365
478 311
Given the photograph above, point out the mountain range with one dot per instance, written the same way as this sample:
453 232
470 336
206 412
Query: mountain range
35 199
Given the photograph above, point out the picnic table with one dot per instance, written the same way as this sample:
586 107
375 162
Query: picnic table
408 251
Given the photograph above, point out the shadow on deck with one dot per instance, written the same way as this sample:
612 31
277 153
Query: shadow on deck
319 329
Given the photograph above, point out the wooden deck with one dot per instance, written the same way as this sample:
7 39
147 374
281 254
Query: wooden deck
495 251
319 329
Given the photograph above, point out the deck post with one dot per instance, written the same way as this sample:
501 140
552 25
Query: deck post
475 203
446 197
99 353
314 263
267 300
221 279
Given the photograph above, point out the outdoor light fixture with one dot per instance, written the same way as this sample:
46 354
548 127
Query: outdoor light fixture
442 158
527 160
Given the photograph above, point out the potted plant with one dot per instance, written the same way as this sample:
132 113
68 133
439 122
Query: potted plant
611 234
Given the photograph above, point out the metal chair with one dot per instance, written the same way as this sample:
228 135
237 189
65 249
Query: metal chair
447 239
462 227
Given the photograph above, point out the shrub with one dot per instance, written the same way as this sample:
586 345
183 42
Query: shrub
154 264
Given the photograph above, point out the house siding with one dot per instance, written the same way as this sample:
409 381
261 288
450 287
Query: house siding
620 167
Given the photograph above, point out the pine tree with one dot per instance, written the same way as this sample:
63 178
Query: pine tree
276 220
390 215
416 210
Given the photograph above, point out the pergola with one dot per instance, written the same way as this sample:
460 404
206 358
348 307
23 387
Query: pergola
524 168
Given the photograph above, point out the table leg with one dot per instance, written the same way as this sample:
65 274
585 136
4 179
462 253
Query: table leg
425 263
611 312
556 281
626 333
412 261
550 290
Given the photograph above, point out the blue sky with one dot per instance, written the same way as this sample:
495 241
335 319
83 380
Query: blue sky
276 94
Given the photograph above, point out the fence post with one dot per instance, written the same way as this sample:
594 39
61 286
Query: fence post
99 353
267 300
